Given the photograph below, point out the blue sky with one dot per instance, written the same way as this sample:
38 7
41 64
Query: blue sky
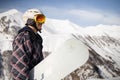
81 12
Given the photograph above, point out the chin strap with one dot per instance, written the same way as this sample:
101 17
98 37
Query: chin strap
39 30
31 22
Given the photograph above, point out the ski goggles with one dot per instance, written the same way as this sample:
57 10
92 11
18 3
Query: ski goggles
39 18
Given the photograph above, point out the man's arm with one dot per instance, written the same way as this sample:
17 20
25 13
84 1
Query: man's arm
22 50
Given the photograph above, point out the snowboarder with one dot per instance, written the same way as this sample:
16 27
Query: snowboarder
27 46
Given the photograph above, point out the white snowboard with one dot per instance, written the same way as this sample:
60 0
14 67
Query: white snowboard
68 57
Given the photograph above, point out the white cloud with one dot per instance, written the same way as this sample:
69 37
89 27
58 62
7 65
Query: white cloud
112 19
101 17
86 14
91 16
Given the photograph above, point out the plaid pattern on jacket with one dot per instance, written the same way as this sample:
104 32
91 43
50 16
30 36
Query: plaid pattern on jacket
27 53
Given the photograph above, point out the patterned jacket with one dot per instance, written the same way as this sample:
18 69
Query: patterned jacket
27 53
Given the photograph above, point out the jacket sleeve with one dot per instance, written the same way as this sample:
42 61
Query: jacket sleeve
22 50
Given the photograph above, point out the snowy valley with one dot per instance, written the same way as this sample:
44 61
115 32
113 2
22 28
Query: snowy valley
103 42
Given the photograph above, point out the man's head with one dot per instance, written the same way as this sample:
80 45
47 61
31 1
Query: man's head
34 18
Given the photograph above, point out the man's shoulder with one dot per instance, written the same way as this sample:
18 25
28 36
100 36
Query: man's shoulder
24 35
24 32
26 28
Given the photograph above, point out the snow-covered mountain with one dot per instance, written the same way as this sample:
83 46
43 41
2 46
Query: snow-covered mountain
10 23
103 42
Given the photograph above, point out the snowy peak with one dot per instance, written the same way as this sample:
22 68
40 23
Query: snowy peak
10 23
9 20
55 26
10 12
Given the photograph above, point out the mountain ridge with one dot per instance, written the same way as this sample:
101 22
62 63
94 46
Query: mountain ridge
9 12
